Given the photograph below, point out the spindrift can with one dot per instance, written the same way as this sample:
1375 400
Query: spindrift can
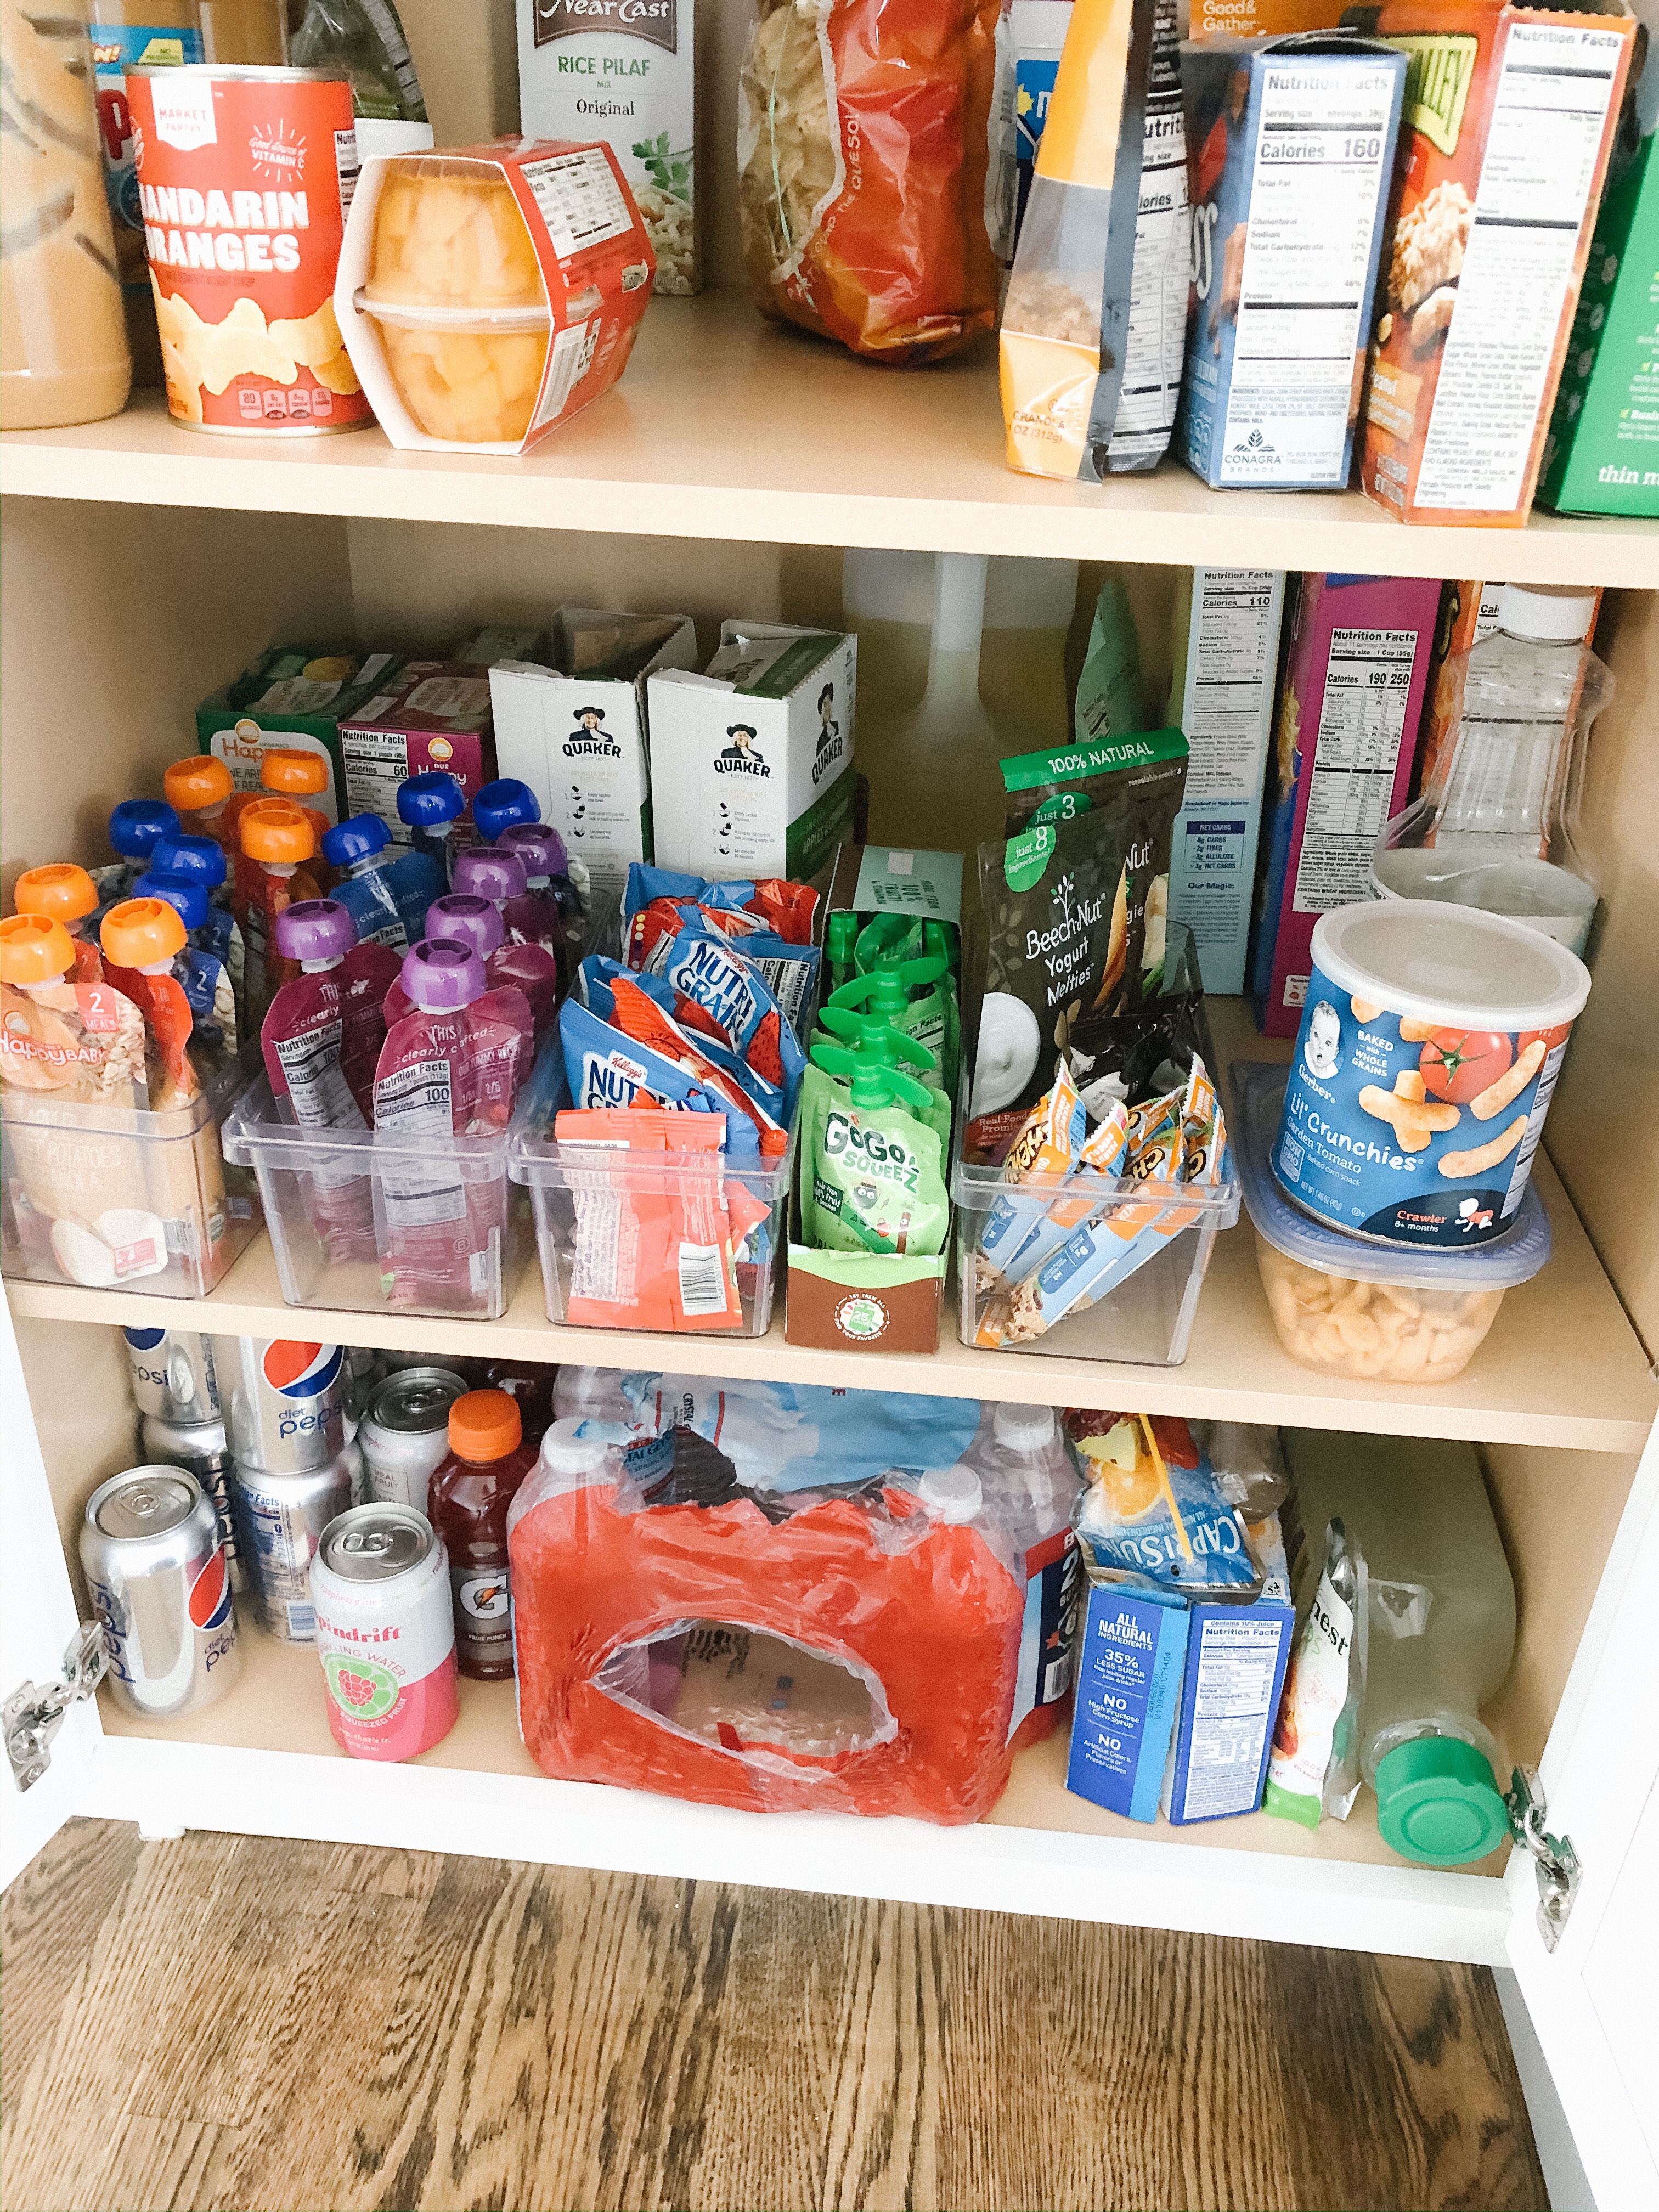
280 1518
202 1449
404 1435
159 1582
285 1401
386 1632
173 1374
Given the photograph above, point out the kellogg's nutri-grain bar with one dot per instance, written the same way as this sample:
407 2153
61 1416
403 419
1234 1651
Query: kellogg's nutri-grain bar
1509 120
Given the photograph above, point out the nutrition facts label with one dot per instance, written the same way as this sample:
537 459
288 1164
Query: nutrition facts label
1159 285
1540 160
1237 1663
580 199
1315 203
1368 680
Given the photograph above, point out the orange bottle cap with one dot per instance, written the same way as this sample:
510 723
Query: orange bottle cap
274 829
35 949
286 769
60 890
141 932
485 1425
201 780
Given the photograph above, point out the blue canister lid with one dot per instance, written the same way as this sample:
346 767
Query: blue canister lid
1258 1090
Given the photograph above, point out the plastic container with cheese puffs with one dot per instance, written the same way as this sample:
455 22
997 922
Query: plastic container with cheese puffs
486 296
1346 1306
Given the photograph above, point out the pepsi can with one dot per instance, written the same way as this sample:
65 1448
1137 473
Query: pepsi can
281 1515
205 1451
159 1582
172 1375
284 1400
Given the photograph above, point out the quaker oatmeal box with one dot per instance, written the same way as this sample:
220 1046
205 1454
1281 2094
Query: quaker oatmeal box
1509 121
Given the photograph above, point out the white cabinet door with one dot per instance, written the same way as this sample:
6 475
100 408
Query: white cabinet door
38 1622
1592 2001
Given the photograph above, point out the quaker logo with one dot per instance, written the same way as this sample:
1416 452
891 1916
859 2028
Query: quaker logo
743 756
830 745
210 1594
588 741
655 21
300 1372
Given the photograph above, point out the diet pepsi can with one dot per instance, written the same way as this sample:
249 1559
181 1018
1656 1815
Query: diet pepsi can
404 1435
386 1632
284 1401
159 1582
173 1374
281 1515
205 1451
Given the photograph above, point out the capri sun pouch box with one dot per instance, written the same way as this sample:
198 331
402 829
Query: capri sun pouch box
294 698
1509 122
1290 196
1349 716
751 761
596 265
874 1301
435 716
577 734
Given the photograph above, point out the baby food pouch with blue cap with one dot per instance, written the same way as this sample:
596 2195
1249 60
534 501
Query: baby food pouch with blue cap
200 972
201 860
358 850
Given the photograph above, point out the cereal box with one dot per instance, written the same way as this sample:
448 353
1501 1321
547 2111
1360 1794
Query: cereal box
1348 719
1509 122
1603 453
1290 193
436 716
625 71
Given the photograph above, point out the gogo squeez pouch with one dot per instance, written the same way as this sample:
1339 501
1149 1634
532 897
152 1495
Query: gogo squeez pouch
872 1177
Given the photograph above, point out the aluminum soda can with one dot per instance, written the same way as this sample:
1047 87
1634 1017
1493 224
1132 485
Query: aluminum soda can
404 1435
159 1582
284 1401
202 1448
386 1632
281 1515
173 1374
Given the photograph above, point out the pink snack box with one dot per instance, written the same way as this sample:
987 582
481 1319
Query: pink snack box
1349 719
436 717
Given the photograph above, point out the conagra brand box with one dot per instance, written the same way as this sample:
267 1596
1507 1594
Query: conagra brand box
1509 120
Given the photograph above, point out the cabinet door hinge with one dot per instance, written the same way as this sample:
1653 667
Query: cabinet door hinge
1555 1862
31 1715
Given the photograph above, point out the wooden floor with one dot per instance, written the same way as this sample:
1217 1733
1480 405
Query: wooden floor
229 2022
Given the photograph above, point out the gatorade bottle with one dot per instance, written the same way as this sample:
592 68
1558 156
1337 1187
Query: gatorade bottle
1030 1483
277 842
200 790
430 806
499 876
357 849
467 1503
63 892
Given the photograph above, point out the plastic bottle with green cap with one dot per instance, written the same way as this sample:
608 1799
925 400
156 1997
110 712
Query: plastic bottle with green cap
872 1178
1441 1620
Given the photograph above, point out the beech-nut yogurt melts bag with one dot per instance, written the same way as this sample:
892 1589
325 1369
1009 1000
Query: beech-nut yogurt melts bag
1428 1052
293 698
625 71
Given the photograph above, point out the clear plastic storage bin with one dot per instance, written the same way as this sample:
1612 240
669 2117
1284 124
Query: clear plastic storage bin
632 1240
1146 1318
359 1221
114 1197
1345 1305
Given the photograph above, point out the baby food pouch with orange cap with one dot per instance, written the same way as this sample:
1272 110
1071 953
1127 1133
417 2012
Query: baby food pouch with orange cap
276 843
288 772
202 793
62 893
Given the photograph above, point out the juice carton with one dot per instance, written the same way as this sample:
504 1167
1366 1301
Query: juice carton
1128 1693
1236 1656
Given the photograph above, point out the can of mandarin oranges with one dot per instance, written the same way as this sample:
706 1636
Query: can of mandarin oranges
243 179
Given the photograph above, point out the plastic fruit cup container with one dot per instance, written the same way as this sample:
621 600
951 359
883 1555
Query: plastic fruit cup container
457 292
1346 1306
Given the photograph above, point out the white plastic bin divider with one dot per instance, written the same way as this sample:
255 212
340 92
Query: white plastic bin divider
557 1174
350 1266
163 1169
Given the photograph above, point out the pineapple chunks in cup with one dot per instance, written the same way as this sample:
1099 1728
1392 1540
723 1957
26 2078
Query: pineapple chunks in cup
477 385
450 235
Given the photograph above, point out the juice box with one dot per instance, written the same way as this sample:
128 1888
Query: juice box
1130 1667
294 698
1236 1656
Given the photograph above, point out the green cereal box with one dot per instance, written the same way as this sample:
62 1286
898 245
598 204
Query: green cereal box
293 696
1603 453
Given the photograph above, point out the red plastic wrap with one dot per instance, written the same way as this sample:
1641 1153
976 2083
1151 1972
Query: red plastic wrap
921 1611
863 142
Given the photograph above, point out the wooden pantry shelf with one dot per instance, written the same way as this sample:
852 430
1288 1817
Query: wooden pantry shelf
1040 1849
727 427
1561 1367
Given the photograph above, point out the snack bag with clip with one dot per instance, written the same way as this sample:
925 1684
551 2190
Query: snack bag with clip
863 142
1153 1516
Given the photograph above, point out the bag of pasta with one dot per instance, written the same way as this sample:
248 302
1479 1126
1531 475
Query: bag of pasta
863 143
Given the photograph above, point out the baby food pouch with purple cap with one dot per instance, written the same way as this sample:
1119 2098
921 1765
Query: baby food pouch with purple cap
539 969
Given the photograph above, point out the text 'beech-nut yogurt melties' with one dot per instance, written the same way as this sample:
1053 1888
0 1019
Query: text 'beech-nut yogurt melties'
243 178
1429 1048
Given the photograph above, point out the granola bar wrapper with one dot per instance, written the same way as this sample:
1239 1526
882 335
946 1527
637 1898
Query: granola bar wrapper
1045 1145
864 132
